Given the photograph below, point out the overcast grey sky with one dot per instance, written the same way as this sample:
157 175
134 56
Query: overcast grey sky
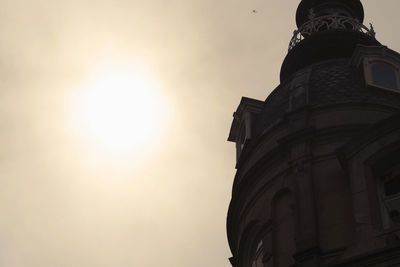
164 205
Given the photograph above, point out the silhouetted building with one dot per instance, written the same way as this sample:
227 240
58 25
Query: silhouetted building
318 162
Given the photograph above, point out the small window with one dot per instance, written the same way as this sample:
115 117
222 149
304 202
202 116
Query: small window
241 141
392 198
384 75
392 187
390 192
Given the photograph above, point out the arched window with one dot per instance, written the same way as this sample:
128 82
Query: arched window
384 74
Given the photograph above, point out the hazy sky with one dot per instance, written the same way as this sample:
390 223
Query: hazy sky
64 199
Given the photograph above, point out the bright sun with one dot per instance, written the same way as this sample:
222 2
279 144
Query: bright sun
121 109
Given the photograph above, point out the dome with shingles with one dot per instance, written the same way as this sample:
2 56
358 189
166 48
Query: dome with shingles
330 82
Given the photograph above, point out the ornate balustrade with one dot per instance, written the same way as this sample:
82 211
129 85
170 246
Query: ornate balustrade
328 23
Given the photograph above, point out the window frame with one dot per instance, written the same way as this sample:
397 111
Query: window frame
387 221
369 62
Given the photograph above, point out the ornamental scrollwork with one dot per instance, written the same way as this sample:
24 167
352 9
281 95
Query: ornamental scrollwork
329 23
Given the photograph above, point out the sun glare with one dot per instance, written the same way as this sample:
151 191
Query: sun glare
121 110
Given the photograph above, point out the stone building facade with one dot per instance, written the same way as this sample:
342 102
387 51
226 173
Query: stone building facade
318 162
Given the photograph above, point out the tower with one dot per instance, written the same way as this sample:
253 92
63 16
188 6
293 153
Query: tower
318 162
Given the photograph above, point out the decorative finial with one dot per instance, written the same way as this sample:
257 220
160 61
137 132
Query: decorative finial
311 14
372 31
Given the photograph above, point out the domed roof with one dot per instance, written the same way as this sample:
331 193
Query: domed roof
352 7
333 81
336 81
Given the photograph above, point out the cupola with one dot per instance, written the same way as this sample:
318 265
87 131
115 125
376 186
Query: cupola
327 29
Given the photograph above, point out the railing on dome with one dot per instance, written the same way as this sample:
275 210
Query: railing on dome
327 23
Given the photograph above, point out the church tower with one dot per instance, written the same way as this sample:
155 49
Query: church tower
318 162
